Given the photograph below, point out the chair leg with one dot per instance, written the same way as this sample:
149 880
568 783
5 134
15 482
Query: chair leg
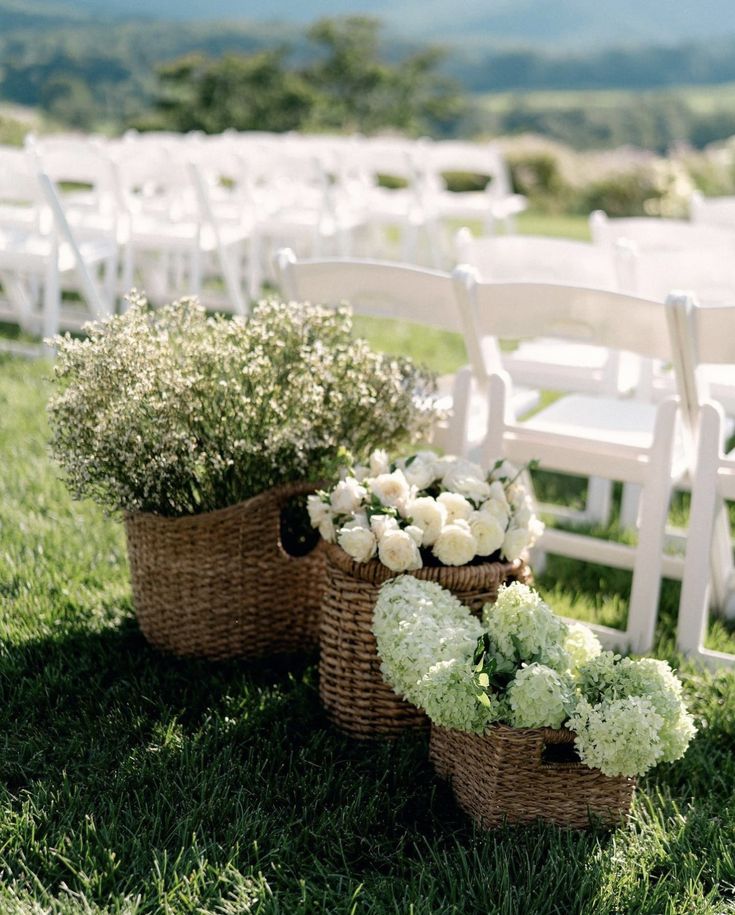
646 586
695 587
630 506
599 500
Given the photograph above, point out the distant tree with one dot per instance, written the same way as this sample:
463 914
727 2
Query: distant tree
361 91
344 85
254 92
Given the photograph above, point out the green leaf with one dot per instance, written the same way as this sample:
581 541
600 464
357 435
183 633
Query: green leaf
484 699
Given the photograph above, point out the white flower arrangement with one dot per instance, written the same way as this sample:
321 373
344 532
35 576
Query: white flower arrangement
177 412
425 509
523 666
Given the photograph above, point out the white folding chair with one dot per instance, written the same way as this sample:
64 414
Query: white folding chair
496 203
706 336
420 296
40 255
620 439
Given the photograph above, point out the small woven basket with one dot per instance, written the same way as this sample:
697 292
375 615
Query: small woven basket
220 584
351 687
518 775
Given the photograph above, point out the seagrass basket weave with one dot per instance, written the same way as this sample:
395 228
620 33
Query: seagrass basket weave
518 775
351 687
220 584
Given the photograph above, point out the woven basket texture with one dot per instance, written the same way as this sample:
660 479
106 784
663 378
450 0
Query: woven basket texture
508 776
351 687
220 585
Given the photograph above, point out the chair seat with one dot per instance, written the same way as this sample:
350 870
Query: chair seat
475 204
30 251
561 365
524 400
599 419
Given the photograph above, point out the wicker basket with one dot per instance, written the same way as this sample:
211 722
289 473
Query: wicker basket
517 775
351 686
220 585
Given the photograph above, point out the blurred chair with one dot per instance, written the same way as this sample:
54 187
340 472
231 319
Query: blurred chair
553 364
40 255
420 296
621 439
706 336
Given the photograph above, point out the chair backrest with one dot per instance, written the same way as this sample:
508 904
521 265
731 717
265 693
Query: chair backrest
654 233
375 288
705 335
706 269
444 157
522 310
537 259
20 195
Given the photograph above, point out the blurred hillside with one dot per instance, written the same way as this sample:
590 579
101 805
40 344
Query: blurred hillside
91 64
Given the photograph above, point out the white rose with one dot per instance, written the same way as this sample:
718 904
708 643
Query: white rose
379 462
382 524
456 545
398 551
429 515
326 529
454 469
497 494
487 532
420 473
361 473
458 508
415 533
347 496
499 511
515 542
522 517
358 541
472 488
391 488
318 510
506 471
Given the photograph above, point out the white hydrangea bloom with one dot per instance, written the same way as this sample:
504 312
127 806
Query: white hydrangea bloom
524 629
456 545
539 697
448 695
581 644
618 736
418 624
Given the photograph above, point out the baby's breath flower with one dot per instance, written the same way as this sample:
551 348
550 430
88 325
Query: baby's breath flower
175 412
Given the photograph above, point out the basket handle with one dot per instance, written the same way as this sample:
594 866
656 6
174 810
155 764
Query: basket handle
281 496
557 749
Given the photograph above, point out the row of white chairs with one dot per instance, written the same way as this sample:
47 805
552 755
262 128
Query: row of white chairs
676 442
198 215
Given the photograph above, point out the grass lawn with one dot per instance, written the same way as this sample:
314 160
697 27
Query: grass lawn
136 783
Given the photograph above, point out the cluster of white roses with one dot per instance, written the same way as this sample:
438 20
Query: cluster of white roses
524 666
446 506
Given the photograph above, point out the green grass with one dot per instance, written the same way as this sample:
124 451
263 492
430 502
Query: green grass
132 782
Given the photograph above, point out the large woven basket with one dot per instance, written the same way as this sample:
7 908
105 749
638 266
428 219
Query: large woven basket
220 584
518 775
351 686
